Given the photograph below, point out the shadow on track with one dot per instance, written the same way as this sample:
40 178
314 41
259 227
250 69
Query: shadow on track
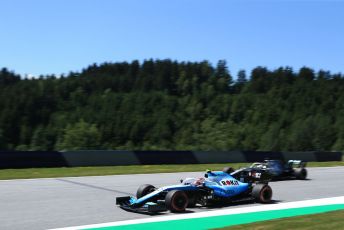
95 187
235 204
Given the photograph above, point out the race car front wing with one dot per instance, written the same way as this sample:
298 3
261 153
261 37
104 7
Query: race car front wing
127 203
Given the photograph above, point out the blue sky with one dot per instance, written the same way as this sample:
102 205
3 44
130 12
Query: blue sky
58 36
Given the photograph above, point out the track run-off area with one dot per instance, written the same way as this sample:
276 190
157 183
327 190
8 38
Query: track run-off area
88 202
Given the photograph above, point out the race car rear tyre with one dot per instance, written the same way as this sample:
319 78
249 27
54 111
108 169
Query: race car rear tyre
176 201
144 190
228 170
300 173
262 193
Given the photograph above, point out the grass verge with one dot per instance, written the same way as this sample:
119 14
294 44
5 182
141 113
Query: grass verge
328 220
133 169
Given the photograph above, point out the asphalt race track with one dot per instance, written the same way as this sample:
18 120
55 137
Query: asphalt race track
62 202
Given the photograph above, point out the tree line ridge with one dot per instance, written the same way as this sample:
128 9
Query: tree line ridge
171 105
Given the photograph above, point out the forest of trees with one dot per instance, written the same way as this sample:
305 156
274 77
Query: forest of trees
170 105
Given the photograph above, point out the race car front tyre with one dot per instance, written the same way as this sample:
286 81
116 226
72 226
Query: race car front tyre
176 201
262 193
300 173
144 190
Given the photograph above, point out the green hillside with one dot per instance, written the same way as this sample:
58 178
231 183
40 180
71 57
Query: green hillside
169 105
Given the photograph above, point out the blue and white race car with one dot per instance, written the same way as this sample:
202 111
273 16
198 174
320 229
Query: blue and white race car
220 187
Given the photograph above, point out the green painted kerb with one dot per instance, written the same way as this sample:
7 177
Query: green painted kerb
226 220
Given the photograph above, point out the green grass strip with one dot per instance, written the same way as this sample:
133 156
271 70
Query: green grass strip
226 220
323 221
6 174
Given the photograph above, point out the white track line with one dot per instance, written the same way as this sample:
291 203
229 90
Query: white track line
267 207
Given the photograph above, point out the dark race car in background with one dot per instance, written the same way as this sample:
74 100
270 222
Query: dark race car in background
276 169
218 188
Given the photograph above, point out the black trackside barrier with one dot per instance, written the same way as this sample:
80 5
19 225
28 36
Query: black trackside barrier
256 156
39 159
165 157
31 159
317 156
328 156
